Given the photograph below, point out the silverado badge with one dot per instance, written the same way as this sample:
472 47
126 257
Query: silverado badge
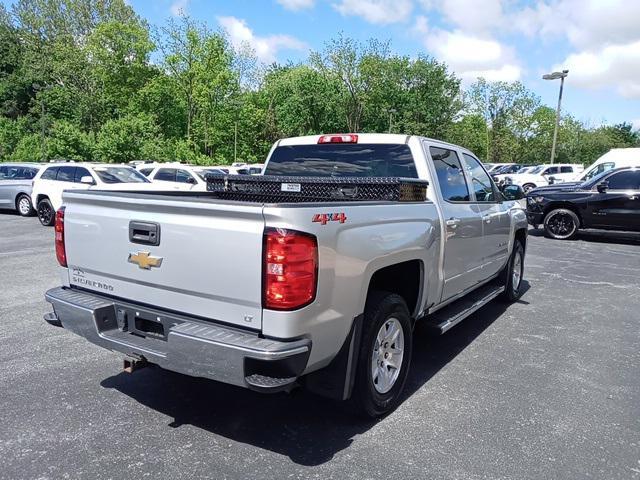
144 260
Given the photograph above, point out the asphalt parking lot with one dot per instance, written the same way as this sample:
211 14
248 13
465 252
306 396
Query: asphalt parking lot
545 388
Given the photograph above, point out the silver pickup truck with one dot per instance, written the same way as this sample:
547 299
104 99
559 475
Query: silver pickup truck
312 275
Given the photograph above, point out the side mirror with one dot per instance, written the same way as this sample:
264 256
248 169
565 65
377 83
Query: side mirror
512 192
603 186
87 180
551 180
191 180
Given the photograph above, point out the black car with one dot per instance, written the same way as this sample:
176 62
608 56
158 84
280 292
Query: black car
609 201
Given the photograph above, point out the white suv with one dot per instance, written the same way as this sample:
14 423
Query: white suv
178 176
52 180
544 175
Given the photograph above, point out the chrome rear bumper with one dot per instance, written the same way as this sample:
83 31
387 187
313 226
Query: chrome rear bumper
179 343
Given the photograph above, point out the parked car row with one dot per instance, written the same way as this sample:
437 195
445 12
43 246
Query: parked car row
31 188
534 176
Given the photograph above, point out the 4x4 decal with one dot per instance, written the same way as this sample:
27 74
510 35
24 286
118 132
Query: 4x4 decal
323 218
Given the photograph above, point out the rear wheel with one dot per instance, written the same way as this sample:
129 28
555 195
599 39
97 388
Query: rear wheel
46 213
528 186
385 355
561 224
23 205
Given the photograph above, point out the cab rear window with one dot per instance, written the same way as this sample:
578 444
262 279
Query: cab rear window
343 160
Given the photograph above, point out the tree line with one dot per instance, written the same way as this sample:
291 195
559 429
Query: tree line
92 80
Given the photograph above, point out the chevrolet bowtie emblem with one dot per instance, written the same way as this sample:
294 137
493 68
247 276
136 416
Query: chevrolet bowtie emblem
145 260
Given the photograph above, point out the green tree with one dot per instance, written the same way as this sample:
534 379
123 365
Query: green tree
68 142
508 108
122 140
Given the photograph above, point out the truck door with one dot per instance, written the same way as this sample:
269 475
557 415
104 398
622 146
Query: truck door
496 221
619 206
463 224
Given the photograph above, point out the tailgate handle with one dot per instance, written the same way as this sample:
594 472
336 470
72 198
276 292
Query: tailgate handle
144 233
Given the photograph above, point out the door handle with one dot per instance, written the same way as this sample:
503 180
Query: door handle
453 222
487 219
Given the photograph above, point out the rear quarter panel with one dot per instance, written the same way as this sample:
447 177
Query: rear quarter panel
373 236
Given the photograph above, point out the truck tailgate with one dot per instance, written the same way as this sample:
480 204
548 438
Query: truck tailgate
207 262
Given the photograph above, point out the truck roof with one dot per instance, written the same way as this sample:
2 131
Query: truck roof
388 138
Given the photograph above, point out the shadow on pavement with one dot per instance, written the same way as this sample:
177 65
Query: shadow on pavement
308 429
596 236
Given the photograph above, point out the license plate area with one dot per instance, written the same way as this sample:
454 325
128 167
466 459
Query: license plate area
143 323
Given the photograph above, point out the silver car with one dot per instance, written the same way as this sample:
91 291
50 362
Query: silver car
15 186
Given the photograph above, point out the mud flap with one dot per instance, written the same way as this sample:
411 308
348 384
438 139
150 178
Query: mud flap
336 379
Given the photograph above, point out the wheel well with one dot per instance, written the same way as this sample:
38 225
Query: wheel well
40 198
19 195
567 205
521 236
402 279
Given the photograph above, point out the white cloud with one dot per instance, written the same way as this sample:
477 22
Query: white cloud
296 4
636 124
376 11
585 23
603 33
473 16
421 25
266 48
615 66
178 7
472 57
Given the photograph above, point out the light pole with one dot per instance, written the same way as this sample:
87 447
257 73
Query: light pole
43 151
391 112
554 76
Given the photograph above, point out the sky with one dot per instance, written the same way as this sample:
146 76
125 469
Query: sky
598 41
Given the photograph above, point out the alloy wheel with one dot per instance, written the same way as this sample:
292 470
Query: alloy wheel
387 355
24 206
561 225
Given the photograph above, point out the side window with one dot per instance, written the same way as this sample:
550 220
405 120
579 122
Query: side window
566 169
81 172
28 173
50 173
66 174
450 175
550 171
166 174
3 172
629 180
183 176
480 181
146 171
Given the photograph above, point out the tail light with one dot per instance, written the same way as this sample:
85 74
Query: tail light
349 138
290 269
61 253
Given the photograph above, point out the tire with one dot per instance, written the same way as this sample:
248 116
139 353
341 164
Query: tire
46 213
528 186
512 274
561 224
23 205
375 392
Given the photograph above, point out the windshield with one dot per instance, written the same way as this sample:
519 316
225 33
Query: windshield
595 179
120 175
343 160
596 171
537 169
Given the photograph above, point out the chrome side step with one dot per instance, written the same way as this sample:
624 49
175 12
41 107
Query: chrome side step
453 314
